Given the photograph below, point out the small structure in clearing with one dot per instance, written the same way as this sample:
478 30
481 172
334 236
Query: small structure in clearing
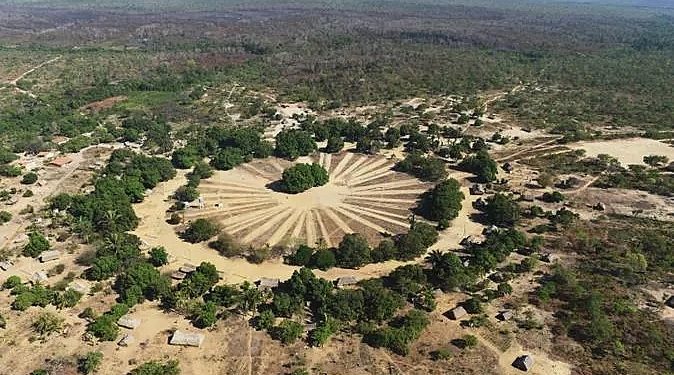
346 281
128 321
266 283
457 313
60 161
504 315
524 362
186 339
50 255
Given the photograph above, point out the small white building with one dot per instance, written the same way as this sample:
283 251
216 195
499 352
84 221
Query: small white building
127 321
50 255
183 338
457 313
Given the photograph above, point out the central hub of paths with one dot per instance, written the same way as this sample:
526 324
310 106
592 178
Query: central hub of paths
328 195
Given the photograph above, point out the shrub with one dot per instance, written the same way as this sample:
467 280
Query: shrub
157 368
158 256
200 230
5 217
335 144
226 245
37 243
287 332
90 362
47 323
12 282
29 178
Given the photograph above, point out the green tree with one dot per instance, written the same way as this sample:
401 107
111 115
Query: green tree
481 165
158 256
205 315
301 256
323 259
227 159
37 243
301 177
335 144
291 144
502 210
287 332
353 251
186 194
443 202
200 230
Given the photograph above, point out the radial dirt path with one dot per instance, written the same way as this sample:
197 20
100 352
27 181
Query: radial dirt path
155 231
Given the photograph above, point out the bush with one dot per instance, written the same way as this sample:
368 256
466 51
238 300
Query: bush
90 362
287 332
12 282
27 194
29 178
156 368
158 256
226 245
186 194
47 323
200 230
37 243
301 177
469 341
554 197
335 144
441 354
5 217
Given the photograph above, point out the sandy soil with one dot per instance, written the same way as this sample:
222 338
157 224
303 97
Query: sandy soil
363 195
627 151
154 231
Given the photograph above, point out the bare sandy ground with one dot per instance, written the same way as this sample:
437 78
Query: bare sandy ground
364 195
154 231
627 151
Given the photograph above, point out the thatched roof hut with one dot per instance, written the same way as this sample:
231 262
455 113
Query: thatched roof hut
186 339
187 268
